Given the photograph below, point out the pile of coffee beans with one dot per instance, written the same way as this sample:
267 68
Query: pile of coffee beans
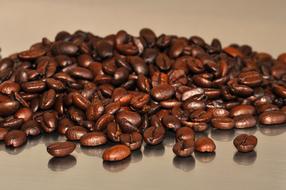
128 90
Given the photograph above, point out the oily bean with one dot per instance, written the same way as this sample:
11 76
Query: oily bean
192 93
149 36
245 143
24 113
21 100
219 112
93 139
3 132
76 115
104 49
266 107
31 54
112 108
48 99
80 101
12 123
154 135
222 123
49 122
33 86
139 100
143 83
279 89
113 132
9 87
75 133
168 104
242 110
184 148
6 68
81 73
200 115
55 84
185 133
163 62
103 121
94 111
171 122
61 149
63 125
116 153
205 144
244 121
272 118
250 78
31 128
138 65
15 138
162 92
8 107
129 121
64 48
132 140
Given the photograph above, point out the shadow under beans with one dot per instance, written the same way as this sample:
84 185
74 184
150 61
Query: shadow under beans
272 130
93 151
15 151
169 140
154 150
205 157
136 156
222 135
116 166
185 164
62 164
245 159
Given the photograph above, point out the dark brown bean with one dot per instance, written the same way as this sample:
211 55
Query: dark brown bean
244 121
93 139
184 148
245 143
205 144
222 123
272 118
61 149
116 153
154 135
132 140
75 133
15 138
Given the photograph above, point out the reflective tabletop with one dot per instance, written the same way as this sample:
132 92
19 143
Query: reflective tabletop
258 23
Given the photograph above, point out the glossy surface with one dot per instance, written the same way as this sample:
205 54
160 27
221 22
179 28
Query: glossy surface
30 165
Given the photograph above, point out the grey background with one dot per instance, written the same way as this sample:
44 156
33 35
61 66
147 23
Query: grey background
258 23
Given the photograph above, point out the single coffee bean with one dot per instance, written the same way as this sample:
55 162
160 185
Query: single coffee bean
162 92
12 123
242 110
31 128
245 143
80 101
116 153
244 121
61 149
113 132
129 121
63 125
75 133
8 107
103 121
24 113
154 135
184 148
272 118
171 122
9 87
15 138
93 139
132 140
205 144
185 133
222 123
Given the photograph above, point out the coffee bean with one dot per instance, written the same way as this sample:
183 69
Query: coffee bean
31 128
63 125
171 122
15 138
8 107
245 143
24 113
12 123
154 135
184 148
129 121
9 87
132 140
205 144
250 78
93 139
75 133
103 121
113 132
34 86
272 118
242 110
222 123
116 153
61 149
31 54
162 92
49 121
244 121
185 133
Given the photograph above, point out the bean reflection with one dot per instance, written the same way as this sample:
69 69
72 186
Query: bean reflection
116 166
205 157
62 164
136 156
245 159
272 130
222 135
184 164
157 150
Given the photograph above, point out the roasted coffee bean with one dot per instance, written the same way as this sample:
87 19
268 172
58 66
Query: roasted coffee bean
279 89
80 101
184 148
12 123
154 135
93 139
171 122
55 84
24 113
48 99
31 54
162 92
63 125
49 121
113 132
242 110
9 87
15 138
250 78
116 153
143 83
185 133
200 116
205 144
31 128
34 86
244 121
222 123
129 121
272 118
76 115
75 133
103 121
245 143
61 149
132 140
8 107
